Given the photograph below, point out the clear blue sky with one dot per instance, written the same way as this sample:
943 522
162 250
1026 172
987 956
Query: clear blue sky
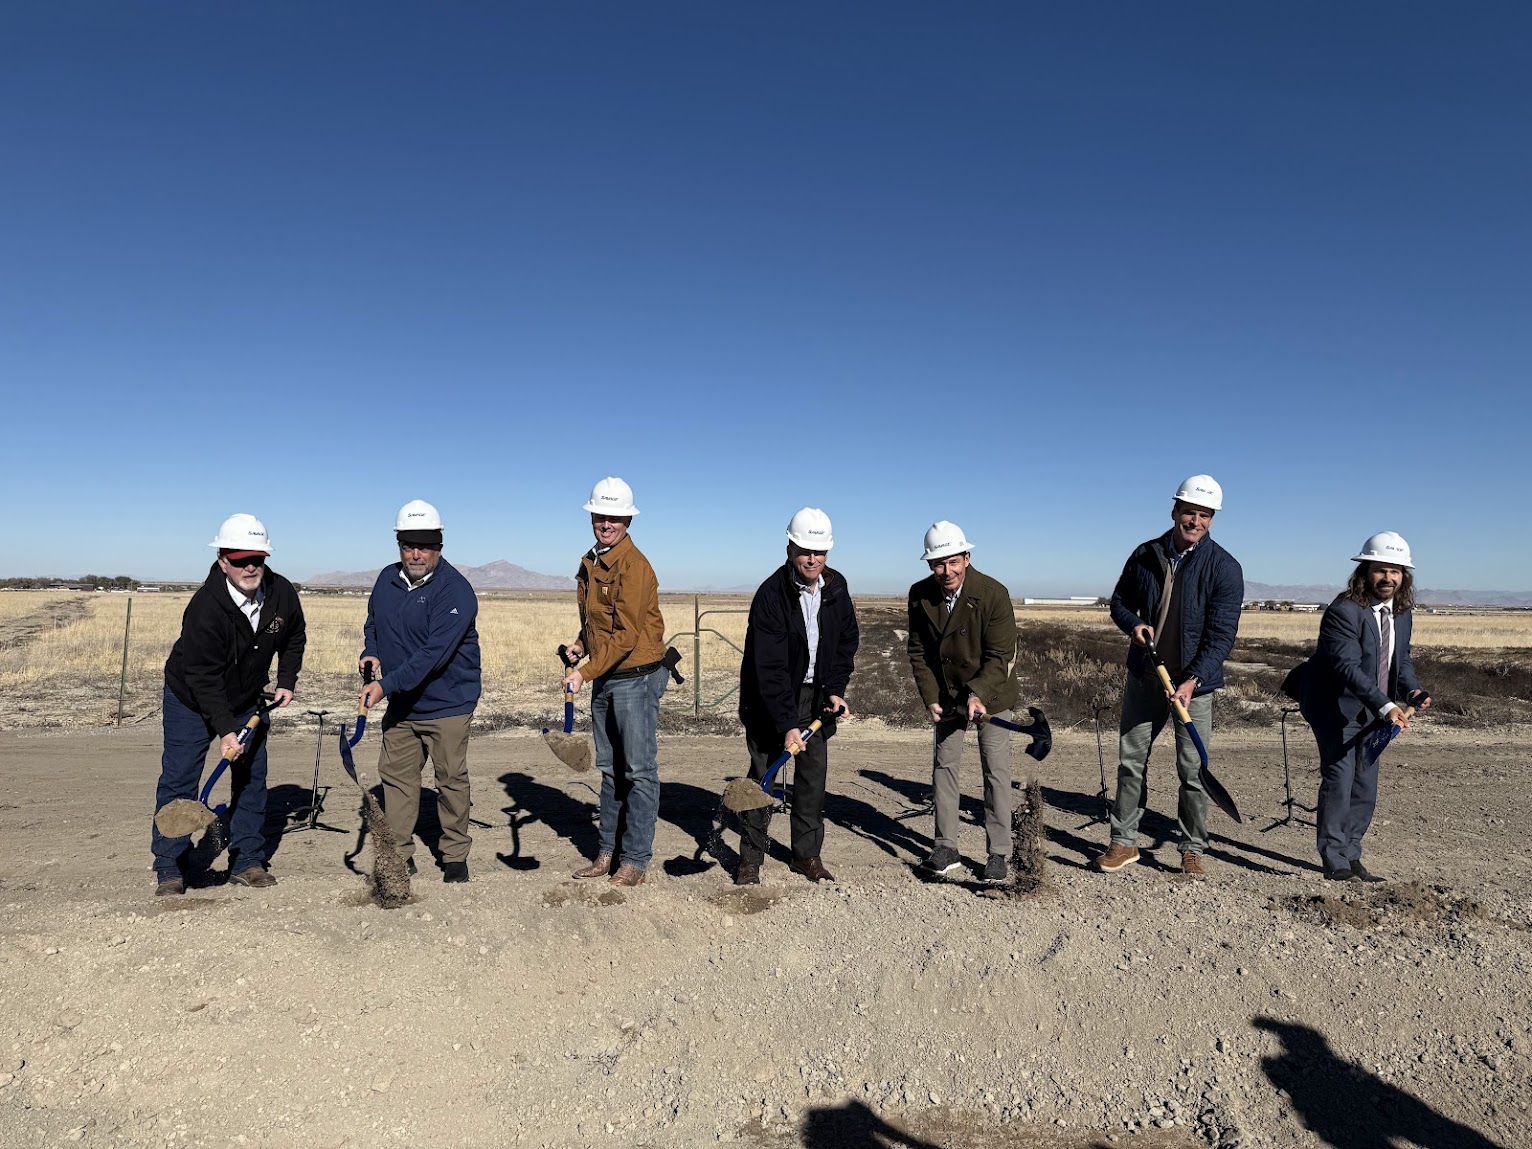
1021 266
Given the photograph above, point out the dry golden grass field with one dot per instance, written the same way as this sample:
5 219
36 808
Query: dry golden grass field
61 653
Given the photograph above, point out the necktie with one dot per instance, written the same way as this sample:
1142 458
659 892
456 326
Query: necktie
1385 644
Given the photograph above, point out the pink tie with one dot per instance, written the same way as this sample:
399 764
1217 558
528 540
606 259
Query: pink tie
1385 641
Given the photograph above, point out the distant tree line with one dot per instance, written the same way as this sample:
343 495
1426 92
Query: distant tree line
93 581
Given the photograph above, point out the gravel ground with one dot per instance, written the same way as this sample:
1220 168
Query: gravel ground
1261 1007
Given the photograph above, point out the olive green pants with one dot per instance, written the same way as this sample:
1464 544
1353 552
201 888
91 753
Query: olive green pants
1145 710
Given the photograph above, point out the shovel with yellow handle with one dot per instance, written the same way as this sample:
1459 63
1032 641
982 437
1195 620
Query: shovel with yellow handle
1215 789
183 817
745 794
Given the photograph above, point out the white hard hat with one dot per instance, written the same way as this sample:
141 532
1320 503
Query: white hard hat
611 496
1203 490
417 515
1386 547
810 529
945 539
242 533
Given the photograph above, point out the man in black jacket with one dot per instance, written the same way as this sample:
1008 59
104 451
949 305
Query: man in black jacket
799 649
241 618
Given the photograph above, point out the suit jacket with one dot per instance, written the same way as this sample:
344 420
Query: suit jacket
972 653
1340 688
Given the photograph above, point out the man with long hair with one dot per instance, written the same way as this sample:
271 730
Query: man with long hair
1360 669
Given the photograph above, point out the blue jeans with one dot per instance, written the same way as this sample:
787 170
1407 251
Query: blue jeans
624 716
187 737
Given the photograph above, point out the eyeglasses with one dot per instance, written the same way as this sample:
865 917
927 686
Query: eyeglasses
422 548
246 563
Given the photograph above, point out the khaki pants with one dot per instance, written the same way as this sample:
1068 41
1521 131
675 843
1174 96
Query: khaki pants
995 763
406 744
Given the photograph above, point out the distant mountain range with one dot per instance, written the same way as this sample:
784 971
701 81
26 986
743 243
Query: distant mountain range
1323 594
498 575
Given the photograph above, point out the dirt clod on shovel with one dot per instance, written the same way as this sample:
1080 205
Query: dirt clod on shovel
183 817
746 794
573 750
390 878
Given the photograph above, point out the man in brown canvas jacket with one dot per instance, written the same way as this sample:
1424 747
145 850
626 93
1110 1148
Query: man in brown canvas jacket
622 635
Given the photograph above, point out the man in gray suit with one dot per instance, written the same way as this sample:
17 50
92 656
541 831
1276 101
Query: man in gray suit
1361 666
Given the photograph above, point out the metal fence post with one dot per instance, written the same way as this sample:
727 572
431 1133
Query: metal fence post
122 681
696 655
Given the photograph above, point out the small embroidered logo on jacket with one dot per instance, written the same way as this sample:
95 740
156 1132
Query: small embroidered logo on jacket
275 626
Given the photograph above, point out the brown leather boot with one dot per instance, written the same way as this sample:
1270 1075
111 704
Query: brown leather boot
812 868
1192 867
627 875
600 868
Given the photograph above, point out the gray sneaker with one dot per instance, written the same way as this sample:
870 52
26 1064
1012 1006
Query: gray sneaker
997 869
943 860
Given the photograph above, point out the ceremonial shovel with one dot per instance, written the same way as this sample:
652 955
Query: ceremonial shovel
183 817
1215 789
744 794
568 747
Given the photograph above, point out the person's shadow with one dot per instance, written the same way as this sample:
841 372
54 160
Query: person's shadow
1346 1106
700 814
534 801
854 1126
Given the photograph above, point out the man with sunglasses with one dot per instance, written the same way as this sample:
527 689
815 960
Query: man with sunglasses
241 618
423 651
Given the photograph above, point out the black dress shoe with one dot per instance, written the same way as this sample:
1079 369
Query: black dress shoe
1363 874
454 871
748 874
410 868
1340 876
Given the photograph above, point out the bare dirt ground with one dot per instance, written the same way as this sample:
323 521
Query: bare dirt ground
1262 1007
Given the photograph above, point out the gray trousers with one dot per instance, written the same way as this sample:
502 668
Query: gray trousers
406 744
994 760
1348 794
1145 711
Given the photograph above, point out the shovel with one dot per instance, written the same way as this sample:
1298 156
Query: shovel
1215 789
744 794
183 817
1042 733
1379 739
390 876
568 747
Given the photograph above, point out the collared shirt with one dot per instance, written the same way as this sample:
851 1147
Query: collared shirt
249 607
949 601
808 601
1178 557
408 585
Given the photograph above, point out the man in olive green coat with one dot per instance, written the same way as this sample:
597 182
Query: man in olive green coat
962 645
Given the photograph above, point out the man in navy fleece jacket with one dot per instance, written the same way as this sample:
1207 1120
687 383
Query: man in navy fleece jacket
424 651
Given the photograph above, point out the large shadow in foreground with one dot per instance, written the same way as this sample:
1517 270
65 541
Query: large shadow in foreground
855 1126
1346 1106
